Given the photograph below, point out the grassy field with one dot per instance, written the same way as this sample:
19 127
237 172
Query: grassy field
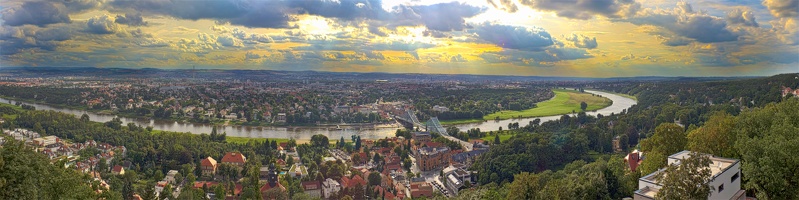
11 117
564 102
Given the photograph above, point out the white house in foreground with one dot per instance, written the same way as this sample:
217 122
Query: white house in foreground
725 179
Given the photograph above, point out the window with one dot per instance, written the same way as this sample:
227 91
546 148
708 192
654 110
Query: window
721 188
735 177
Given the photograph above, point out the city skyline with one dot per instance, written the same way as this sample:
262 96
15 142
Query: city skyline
617 38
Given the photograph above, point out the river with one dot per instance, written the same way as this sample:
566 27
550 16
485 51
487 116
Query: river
302 133
619 104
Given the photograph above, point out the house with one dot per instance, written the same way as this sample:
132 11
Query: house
467 158
381 193
430 158
634 159
208 166
421 137
421 189
455 178
281 118
170 176
312 188
354 182
235 159
330 187
438 108
298 171
725 179
118 170
272 182
617 144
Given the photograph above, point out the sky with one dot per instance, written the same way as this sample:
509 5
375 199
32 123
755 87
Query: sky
575 38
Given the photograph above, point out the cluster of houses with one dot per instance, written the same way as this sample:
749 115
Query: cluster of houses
56 149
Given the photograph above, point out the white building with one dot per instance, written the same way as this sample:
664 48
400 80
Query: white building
455 178
330 187
725 179
438 108
170 176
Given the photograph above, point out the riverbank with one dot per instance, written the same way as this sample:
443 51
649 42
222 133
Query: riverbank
564 102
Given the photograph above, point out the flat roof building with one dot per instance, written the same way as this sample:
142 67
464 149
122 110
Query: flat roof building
725 178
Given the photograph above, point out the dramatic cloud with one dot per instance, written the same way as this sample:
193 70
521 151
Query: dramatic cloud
683 21
103 24
585 9
782 8
785 26
228 41
738 16
582 41
15 40
131 19
514 37
39 13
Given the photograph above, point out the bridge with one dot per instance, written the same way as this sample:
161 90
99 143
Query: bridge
409 120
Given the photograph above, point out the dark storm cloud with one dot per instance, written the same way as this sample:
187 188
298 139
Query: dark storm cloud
746 18
687 23
37 13
514 37
17 39
131 19
585 9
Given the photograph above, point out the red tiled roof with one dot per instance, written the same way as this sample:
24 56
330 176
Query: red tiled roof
268 186
208 162
234 157
199 184
352 182
311 185
117 168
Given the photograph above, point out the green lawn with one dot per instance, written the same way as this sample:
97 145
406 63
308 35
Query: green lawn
564 102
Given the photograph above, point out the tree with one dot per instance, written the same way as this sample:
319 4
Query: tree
524 186
583 105
149 192
374 178
669 138
84 117
687 180
767 141
496 139
714 137
26 174
320 141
